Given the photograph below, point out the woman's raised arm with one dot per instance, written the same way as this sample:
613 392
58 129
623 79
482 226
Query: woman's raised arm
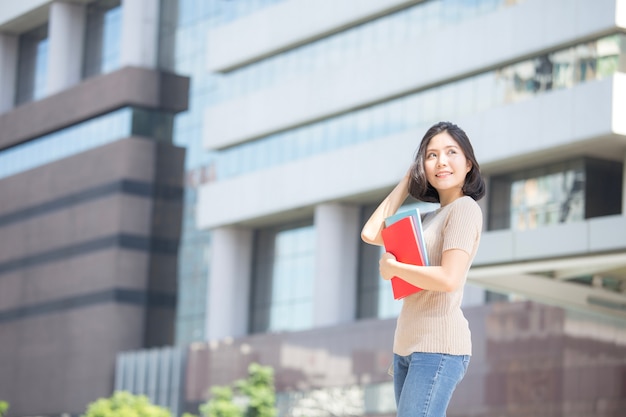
375 224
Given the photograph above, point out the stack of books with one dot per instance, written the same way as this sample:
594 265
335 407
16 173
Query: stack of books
403 237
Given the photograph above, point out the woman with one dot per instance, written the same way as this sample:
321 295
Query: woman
432 343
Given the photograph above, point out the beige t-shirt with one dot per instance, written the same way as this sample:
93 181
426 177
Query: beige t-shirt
432 321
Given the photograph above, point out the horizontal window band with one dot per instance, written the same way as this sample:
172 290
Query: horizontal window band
115 295
123 241
130 187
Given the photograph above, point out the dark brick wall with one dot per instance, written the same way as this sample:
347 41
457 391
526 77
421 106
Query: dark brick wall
88 252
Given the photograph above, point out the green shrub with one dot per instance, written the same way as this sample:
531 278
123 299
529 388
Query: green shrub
125 404
257 393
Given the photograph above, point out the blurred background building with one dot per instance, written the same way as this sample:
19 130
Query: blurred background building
92 187
183 184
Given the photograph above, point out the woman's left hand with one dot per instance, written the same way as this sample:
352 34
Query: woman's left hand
385 265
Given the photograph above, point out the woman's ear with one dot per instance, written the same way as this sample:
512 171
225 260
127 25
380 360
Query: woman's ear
469 166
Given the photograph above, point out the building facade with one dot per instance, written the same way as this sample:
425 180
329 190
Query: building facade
196 173
92 192
319 108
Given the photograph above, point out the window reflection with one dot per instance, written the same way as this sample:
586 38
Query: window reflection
549 199
283 279
562 193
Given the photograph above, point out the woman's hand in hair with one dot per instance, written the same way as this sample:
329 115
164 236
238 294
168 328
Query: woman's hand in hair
375 224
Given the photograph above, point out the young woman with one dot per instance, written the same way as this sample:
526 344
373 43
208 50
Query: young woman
432 343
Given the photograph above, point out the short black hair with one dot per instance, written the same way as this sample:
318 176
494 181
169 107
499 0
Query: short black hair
420 188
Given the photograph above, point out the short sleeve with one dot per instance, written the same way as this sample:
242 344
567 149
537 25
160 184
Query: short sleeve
463 226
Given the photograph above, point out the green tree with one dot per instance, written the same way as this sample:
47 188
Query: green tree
4 406
221 404
259 388
257 393
125 404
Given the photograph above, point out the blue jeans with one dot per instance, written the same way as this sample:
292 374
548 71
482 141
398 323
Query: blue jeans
424 382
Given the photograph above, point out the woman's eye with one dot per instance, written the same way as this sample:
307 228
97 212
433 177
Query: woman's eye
431 155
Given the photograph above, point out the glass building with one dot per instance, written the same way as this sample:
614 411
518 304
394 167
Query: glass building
310 125
369 85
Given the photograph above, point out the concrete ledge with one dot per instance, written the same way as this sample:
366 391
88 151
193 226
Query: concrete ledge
607 233
129 86
600 234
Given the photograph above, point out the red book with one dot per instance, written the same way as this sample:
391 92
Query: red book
401 240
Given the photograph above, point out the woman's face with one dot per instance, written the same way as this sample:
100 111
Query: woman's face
446 166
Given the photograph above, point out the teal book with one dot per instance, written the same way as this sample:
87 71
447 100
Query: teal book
417 222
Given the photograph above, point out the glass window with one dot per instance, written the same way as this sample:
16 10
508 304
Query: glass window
543 200
433 15
380 34
84 136
283 278
396 118
415 20
334 50
466 98
485 92
451 10
362 126
563 75
608 53
379 121
102 37
522 80
342 130
430 105
350 45
448 100
64 143
413 113
32 65
561 193
543 73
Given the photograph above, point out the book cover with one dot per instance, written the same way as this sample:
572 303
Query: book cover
400 239
417 221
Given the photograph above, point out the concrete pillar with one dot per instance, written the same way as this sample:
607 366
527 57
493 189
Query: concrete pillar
229 283
140 33
8 71
337 229
66 39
